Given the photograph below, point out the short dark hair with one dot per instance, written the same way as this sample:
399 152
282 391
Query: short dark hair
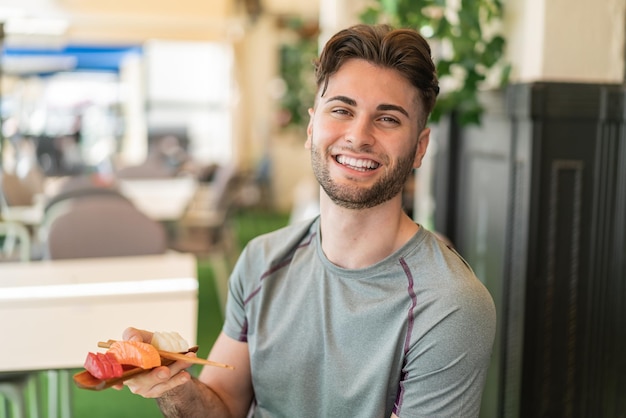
404 50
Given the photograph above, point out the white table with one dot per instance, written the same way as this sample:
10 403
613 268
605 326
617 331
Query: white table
160 199
52 313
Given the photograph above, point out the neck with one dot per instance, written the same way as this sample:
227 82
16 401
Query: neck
360 238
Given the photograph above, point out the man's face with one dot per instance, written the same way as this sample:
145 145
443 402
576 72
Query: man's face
364 135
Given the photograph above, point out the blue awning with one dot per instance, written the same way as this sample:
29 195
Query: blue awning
29 61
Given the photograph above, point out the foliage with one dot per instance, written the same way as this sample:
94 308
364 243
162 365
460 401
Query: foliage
469 47
296 71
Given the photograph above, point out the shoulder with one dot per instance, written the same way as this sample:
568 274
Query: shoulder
261 257
442 277
266 251
432 258
282 242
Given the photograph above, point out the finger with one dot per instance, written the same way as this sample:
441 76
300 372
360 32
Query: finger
156 384
144 382
134 334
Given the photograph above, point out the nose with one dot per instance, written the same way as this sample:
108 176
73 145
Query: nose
360 133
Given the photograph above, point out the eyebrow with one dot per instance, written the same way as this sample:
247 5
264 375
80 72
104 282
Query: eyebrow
344 99
393 107
383 106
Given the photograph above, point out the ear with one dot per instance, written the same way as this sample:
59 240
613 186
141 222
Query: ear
422 145
309 129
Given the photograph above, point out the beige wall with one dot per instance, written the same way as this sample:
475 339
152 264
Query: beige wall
567 40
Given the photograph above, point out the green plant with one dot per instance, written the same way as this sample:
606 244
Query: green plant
296 71
469 47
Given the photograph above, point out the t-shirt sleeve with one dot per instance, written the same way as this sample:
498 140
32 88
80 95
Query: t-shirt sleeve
445 368
246 279
235 322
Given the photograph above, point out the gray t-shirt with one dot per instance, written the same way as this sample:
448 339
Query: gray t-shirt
411 334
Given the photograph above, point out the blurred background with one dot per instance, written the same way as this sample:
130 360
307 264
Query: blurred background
98 85
184 123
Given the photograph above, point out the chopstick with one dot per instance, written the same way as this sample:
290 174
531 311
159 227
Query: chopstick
195 360
178 356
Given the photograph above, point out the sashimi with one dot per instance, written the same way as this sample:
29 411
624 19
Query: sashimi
135 353
103 365
169 341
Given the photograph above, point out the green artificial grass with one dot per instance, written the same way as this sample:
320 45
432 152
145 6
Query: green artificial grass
250 223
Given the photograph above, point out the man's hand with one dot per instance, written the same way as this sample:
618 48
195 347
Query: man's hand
217 392
160 380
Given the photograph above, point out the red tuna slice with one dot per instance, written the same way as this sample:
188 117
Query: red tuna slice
103 366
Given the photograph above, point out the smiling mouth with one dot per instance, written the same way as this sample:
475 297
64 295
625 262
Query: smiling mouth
357 163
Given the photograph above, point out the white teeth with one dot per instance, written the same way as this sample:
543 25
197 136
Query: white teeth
356 163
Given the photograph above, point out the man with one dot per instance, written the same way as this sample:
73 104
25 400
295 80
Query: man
360 312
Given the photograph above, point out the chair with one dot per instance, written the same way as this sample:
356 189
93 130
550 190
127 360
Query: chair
14 192
16 242
205 228
72 189
21 190
19 195
82 181
88 219
20 392
202 225
150 169
76 189
104 225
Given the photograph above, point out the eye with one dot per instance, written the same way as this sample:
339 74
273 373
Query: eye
340 111
389 120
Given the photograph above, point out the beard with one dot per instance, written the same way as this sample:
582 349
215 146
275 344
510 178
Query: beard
355 196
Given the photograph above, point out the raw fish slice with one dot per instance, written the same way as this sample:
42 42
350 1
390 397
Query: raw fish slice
135 353
103 365
86 380
169 341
